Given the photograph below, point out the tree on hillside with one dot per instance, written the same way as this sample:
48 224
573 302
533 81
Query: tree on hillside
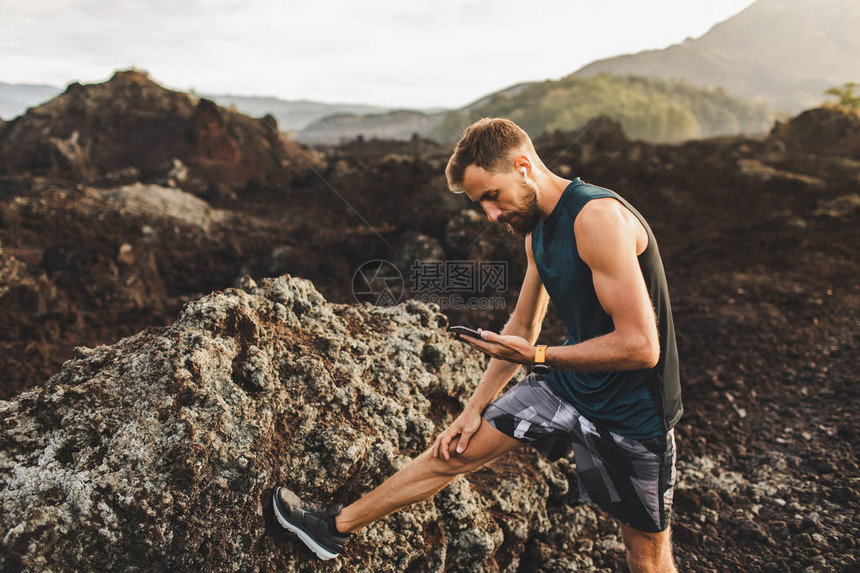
848 98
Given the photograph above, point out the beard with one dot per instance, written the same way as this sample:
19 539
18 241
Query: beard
523 220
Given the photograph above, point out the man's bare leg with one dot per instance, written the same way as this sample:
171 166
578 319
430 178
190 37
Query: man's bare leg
424 476
648 552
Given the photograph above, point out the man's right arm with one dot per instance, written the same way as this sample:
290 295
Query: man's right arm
525 322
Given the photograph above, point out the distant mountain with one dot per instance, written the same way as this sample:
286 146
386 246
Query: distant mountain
398 124
292 115
16 98
786 52
647 108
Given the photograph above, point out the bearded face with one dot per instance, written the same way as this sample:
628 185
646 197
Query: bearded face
523 220
505 195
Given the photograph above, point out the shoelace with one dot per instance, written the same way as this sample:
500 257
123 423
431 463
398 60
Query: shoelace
332 509
329 510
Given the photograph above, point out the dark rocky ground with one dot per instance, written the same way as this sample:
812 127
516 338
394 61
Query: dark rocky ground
759 238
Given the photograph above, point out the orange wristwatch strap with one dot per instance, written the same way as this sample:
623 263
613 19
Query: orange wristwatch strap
540 354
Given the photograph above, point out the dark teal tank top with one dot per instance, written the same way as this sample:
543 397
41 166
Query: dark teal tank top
639 404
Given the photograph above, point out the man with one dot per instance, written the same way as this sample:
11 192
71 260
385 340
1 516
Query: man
613 393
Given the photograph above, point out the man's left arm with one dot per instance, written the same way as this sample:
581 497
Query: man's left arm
606 241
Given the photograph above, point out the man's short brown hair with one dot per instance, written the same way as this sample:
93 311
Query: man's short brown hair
487 143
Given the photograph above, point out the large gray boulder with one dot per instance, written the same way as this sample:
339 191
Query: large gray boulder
160 452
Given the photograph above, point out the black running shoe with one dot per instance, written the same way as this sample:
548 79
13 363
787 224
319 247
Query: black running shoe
313 524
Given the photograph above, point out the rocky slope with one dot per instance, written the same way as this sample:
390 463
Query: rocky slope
160 452
83 265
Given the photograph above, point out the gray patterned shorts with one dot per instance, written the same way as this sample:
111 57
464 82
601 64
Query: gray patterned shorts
632 480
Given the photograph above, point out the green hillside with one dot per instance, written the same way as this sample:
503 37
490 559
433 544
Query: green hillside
647 108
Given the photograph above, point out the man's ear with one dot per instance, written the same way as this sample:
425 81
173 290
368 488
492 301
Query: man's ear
523 162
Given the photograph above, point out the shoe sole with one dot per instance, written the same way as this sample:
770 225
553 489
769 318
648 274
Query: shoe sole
321 552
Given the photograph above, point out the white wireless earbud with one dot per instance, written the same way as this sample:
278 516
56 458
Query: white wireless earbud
523 169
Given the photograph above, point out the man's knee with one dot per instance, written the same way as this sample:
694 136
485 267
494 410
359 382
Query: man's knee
457 464
485 445
648 551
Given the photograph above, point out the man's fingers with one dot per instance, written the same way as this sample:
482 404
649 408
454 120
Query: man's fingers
483 345
475 342
443 444
464 442
437 445
488 335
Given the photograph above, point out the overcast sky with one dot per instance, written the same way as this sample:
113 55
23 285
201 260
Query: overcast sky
396 53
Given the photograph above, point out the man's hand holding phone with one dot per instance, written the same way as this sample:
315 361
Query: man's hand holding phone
502 346
465 331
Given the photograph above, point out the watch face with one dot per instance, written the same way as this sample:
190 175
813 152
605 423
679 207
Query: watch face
540 368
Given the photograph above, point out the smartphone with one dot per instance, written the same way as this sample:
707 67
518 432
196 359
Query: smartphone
465 330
